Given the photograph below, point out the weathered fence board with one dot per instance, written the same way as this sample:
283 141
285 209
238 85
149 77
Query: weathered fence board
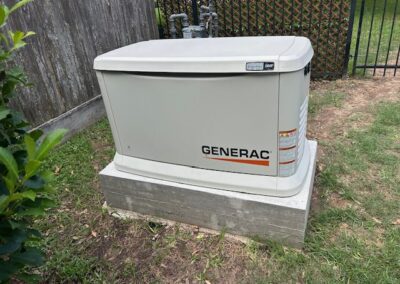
70 34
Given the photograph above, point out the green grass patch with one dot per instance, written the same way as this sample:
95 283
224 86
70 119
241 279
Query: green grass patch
319 100
377 145
343 245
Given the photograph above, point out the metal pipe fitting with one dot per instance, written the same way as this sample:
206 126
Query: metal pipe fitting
215 24
172 19
204 9
212 18
211 6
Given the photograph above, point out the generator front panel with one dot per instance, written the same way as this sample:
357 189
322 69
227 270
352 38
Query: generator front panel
225 122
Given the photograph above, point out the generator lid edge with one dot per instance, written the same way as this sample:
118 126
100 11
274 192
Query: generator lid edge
294 55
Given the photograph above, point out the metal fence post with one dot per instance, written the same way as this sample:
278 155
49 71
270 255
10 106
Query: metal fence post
195 13
380 36
391 36
349 37
360 21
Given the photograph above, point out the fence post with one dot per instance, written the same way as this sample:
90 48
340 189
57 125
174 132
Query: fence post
195 13
360 21
349 37
391 36
380 36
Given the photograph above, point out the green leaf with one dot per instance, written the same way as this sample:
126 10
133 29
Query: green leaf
18 119
50 141
5 39
7 159
9 247
29 194
47 176
4 201
4 55
30 146
8 87
33 233
35 182
10 182
30 33
7 270
18 45
4 12
4 112
18 37
19 5
36 134
47 203
31 168
32 212
48 189
15 225
3 188
4 227
13 241
31 257
20 157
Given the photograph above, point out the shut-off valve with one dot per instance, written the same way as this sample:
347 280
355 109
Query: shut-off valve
208 26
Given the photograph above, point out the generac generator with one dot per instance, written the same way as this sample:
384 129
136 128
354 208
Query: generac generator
225 113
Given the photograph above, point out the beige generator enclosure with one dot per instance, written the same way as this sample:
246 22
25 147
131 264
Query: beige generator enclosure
222 113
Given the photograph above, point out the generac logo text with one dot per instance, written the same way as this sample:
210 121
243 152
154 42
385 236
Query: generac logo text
237 155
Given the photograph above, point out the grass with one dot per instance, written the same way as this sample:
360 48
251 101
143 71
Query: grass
352 236
370 34
320 101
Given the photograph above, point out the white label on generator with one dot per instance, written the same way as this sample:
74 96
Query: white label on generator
288 141
287 155
255 66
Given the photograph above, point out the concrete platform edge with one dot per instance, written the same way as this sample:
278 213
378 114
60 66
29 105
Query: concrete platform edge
245 215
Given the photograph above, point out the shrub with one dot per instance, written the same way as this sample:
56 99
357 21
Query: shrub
24 190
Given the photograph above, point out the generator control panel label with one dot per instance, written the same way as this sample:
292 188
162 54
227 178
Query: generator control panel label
260 66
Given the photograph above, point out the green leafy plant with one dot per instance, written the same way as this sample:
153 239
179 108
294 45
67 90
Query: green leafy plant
24 190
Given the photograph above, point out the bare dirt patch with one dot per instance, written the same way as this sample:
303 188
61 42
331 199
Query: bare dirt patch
171 255
335 200
361 94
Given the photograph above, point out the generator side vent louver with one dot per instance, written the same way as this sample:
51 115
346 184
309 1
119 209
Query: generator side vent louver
302 129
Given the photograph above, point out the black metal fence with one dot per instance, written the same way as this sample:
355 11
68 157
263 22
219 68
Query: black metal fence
376 37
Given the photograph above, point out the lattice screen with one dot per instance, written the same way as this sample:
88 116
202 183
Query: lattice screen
325 22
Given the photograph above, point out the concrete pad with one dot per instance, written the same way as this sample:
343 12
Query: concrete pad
277 218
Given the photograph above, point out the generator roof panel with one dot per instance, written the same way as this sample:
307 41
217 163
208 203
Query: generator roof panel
210 55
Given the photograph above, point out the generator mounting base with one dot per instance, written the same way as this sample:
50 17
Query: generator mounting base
282 219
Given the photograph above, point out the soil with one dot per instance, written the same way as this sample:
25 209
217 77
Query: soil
360 93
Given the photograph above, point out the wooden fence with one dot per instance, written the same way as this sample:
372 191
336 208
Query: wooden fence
70 34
